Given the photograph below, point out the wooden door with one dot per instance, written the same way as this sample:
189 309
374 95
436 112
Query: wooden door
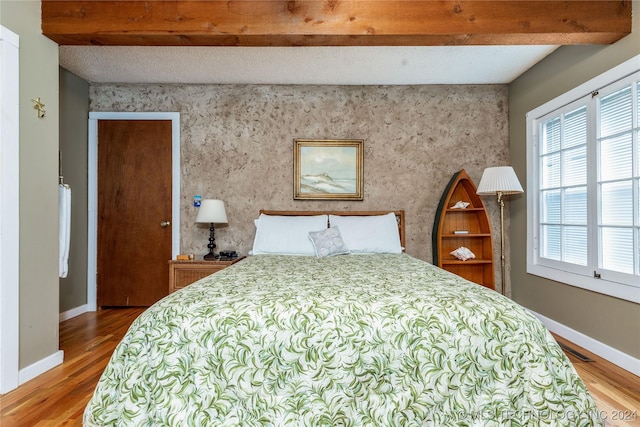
134 203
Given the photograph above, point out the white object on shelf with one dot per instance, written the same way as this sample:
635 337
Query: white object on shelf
463 253
460 205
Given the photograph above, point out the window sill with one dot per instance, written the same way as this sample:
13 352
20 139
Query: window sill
601 286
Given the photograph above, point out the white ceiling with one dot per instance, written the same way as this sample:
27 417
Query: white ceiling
302 65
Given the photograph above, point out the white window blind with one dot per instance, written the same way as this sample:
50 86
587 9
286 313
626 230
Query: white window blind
618 181
584 186
563 191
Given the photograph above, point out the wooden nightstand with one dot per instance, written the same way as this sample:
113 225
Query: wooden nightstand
183 273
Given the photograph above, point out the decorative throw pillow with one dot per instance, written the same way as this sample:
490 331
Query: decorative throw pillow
328 242
463 253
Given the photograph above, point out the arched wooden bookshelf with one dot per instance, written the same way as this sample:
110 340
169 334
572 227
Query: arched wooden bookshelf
469 227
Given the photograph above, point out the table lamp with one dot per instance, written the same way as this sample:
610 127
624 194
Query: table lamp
211 212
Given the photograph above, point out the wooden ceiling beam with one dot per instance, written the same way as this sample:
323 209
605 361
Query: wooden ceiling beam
334 22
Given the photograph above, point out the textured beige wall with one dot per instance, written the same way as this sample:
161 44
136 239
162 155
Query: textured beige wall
609 320
237 145
38 183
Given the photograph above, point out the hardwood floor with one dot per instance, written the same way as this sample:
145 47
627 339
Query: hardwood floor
58 397
616 391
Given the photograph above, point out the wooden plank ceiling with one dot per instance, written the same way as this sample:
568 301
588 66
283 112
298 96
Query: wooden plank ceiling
334 22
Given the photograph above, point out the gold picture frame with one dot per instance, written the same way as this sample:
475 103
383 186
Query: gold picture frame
328 169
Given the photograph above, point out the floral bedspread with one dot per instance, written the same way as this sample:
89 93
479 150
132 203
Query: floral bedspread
353 340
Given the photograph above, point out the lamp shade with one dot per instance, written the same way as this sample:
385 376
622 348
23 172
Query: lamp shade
499 179
212 211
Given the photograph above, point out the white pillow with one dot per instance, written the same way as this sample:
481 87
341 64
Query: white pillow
369 234
287 235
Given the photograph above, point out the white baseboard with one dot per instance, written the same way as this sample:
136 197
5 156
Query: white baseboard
609 353
73 312
49 362
40 367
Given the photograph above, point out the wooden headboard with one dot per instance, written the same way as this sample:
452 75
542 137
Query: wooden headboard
399 216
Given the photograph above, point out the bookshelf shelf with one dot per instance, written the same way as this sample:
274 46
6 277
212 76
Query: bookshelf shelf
478 239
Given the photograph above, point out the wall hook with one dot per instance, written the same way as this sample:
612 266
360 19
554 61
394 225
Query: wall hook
38 105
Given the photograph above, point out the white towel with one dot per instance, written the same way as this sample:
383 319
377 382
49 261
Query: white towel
64 230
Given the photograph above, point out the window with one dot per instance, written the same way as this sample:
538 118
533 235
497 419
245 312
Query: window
583 186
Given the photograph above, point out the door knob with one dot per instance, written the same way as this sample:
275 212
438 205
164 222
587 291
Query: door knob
165 224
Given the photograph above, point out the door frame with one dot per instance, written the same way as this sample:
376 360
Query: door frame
9 210
92 232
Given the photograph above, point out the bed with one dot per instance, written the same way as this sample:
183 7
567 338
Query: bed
366 337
